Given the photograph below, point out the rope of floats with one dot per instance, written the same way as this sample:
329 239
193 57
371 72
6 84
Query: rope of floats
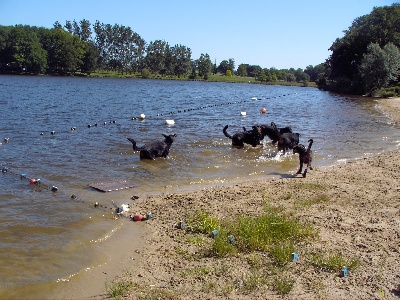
54 189
142 116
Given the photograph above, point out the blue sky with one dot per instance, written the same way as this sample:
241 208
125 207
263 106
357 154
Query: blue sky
279 34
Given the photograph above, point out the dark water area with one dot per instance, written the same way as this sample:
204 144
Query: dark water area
48 236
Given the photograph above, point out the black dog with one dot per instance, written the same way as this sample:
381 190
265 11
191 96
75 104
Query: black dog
305 156
286 141
156 148
270 131
252 137
291 139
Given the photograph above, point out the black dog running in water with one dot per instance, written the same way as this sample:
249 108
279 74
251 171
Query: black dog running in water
271 133
286 140
156 148
251 137
305 156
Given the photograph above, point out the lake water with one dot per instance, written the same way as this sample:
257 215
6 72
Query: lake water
47 236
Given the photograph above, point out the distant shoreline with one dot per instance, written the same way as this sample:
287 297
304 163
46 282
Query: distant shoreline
212 78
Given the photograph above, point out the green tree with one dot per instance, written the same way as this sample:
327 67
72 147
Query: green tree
290 77
100 43
181 57
156 56
301 76
204 66
226 65
231 64
90 58
314 72
242 70
146 74
223 67
254 71
380 66
273 74
381 26
23 51
169 64
65 52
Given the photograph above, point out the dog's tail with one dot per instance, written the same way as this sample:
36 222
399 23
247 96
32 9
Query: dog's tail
310 142
133 144
226 133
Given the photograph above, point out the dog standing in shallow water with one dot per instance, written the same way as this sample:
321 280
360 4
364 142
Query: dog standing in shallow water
305 156
156 148
252 137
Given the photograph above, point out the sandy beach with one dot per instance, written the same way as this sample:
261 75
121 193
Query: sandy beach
353 208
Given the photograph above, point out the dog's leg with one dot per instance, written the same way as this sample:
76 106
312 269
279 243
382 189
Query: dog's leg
301 166
305 173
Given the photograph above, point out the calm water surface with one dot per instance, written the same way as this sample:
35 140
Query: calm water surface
48 236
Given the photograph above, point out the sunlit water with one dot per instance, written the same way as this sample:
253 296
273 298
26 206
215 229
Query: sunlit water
47 236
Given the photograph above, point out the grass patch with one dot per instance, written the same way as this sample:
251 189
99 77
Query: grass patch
255 262
203 222
198 240
283 285
272 231
282 252
252 282
119 287
318 199
333 262
262 232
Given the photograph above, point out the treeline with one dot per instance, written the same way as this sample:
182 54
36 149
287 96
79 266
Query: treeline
80 47
367 58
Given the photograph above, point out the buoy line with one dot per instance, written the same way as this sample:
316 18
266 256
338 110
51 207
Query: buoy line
143 116
38 182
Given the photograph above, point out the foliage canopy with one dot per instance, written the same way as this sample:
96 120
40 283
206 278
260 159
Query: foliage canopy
352 55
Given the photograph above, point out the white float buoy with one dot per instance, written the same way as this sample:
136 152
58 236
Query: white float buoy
254 98
169 122
142 116
243 113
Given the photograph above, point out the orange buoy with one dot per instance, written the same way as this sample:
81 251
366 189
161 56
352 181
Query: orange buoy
137 217
32 181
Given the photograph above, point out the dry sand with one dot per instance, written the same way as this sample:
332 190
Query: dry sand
353 207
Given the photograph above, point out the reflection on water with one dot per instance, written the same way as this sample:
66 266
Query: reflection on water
49 235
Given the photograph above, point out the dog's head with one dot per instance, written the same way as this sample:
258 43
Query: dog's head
299 149
170 138
257 130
